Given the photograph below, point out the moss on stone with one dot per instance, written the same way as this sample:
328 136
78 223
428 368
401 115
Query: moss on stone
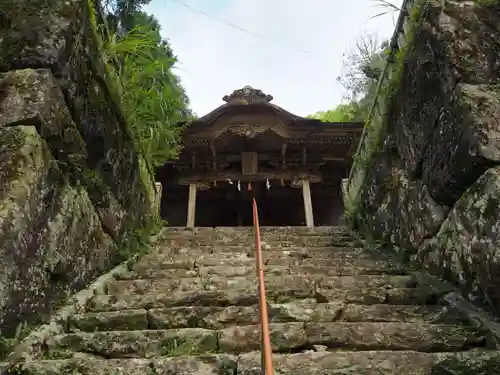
377 124
487 3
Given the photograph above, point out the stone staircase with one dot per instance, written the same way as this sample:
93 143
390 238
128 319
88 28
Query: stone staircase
190 308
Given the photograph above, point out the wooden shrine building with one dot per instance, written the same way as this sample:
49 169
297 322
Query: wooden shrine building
295 166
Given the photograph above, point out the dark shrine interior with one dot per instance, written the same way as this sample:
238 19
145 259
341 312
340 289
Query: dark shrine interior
224 205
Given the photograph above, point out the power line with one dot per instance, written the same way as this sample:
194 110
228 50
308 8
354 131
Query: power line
230 24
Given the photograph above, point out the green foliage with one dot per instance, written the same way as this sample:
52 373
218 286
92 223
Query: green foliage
140 69
123 12
341 113
137 67
362 68
387 7
151 94
488 3
8 343
137 241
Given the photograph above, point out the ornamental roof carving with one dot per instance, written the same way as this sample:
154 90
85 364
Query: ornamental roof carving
247 95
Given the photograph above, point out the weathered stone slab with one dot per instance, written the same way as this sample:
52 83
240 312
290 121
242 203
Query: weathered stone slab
264 230
33 97
309 241
395 313
466 249
393 336
90 366
284 337
163 251
214 283
209 262
220 364
248 296
308 363
137 344
50 234
240 297
218 317
125 320
275 237
375 363
450 137
357 336
205 365
210 317
472 129
396 209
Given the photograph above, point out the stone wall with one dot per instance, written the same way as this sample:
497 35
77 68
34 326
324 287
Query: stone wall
426 180
72 186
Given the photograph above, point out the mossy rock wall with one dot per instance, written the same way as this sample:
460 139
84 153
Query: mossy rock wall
427 186
72 185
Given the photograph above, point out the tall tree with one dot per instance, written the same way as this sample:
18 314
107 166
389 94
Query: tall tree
361 70
152 96
362 67
122 13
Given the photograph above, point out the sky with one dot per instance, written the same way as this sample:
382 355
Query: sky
291 49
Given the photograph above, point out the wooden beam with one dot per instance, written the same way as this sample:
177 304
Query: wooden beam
188 178
333 158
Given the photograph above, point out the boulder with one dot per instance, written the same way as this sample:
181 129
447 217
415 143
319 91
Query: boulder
395 208
467 246
51 239
446 111
33 97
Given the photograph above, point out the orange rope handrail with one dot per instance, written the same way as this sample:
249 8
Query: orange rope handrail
267 360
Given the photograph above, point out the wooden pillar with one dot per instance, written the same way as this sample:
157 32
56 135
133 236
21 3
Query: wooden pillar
306 193
191 206
158 195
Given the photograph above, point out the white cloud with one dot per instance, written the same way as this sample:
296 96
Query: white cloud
217 59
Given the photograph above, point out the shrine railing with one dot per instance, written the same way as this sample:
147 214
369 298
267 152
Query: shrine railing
266 350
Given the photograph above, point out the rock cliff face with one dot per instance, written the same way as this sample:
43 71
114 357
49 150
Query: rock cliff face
434 189
72 187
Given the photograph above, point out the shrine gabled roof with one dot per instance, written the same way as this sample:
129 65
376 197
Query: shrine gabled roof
249 102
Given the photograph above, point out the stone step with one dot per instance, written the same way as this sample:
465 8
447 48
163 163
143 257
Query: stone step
309 241
248 296
473 362
323 230
301 281
349 268
218 235
216 317
238 251
230 260
285 337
